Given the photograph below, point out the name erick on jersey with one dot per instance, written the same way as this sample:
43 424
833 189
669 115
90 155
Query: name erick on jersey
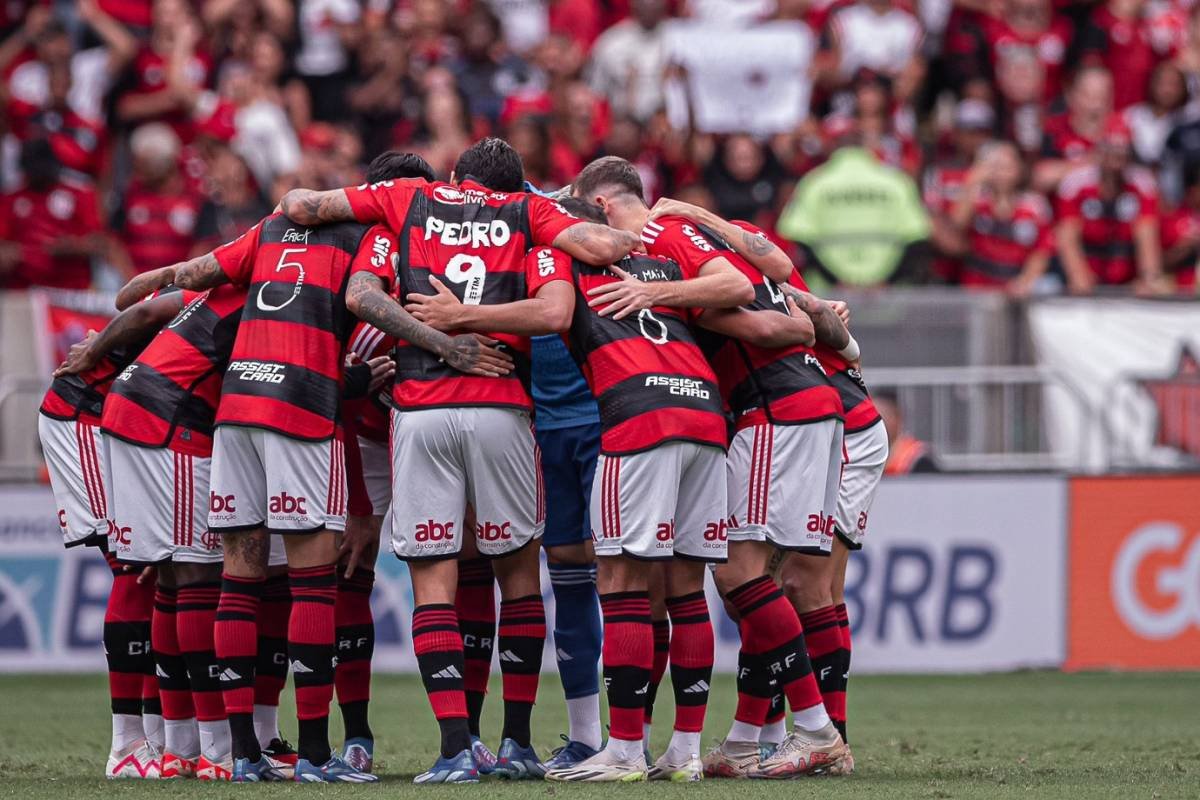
475 241
82 396
168 397
651 381
779 385
286 370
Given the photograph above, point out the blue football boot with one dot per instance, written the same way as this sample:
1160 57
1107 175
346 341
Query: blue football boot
455 769
335 770
518 763
569 754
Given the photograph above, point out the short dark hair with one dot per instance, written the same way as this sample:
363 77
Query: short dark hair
493 163
608 171
578 207
394 165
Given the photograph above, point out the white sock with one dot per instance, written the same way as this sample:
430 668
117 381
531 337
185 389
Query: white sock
126 729
623 749
743 732
215 741
684 745
811 719
182 738
152 725
266 724
583 720
773 732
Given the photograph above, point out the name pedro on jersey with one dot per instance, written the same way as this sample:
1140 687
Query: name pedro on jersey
680 387
468 234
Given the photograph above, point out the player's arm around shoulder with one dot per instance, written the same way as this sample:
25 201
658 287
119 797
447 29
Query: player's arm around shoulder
764 328
129 326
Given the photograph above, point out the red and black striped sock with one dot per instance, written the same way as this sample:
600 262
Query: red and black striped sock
271 669
691 659
659 664
844 668
127 638
475 607
823 635
310 649
174 690
195 617
771 631
438 646
522 639
628 654
355 645
235 637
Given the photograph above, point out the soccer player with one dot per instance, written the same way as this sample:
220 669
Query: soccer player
472 238
660 406
277 456
784 471
73 446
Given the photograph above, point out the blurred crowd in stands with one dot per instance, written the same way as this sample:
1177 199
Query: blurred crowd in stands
1032 146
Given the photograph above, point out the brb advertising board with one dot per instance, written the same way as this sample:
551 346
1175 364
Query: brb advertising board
1135 573
960 574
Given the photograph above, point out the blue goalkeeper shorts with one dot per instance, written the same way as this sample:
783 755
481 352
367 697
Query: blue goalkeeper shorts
568 464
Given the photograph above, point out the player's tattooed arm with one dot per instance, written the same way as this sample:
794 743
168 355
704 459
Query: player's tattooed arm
202 272
763 254
827 323
470 353
143 284
309 207
596 244
765 328
131 325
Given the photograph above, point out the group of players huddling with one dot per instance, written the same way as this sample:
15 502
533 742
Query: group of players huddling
373 361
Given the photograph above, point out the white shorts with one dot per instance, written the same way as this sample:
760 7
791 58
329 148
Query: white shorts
263 478
660 503
377 474
783 485
445 458
160 505
866 455
74 453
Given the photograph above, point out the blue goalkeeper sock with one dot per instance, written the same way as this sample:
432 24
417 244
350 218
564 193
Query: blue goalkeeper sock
577 638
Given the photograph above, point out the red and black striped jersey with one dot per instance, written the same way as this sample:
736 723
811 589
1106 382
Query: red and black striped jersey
372 420
651 381
476 242
82 396
286 370
779 385
858 410
168 397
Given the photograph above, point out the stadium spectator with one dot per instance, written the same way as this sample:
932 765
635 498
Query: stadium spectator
156 218
1069 138
327 29
1117 35
858 217
1180 232
879 36
233 205
1108 220
628 61
907 455
169 72
1008 229
974 121
49 227
745 178
1165 107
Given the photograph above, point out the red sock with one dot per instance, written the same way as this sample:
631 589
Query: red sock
522 639
628 654
235 637
658 667
271 668
823 635
691 659
771 631
355 636
174 690
475 607
843 619
127 638
438 646
195 618
310 649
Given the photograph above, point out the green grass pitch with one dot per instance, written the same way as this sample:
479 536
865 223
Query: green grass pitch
1024 735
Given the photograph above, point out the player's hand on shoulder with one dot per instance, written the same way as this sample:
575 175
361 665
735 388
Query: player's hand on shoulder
669 207
624 297
79 358
476 354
